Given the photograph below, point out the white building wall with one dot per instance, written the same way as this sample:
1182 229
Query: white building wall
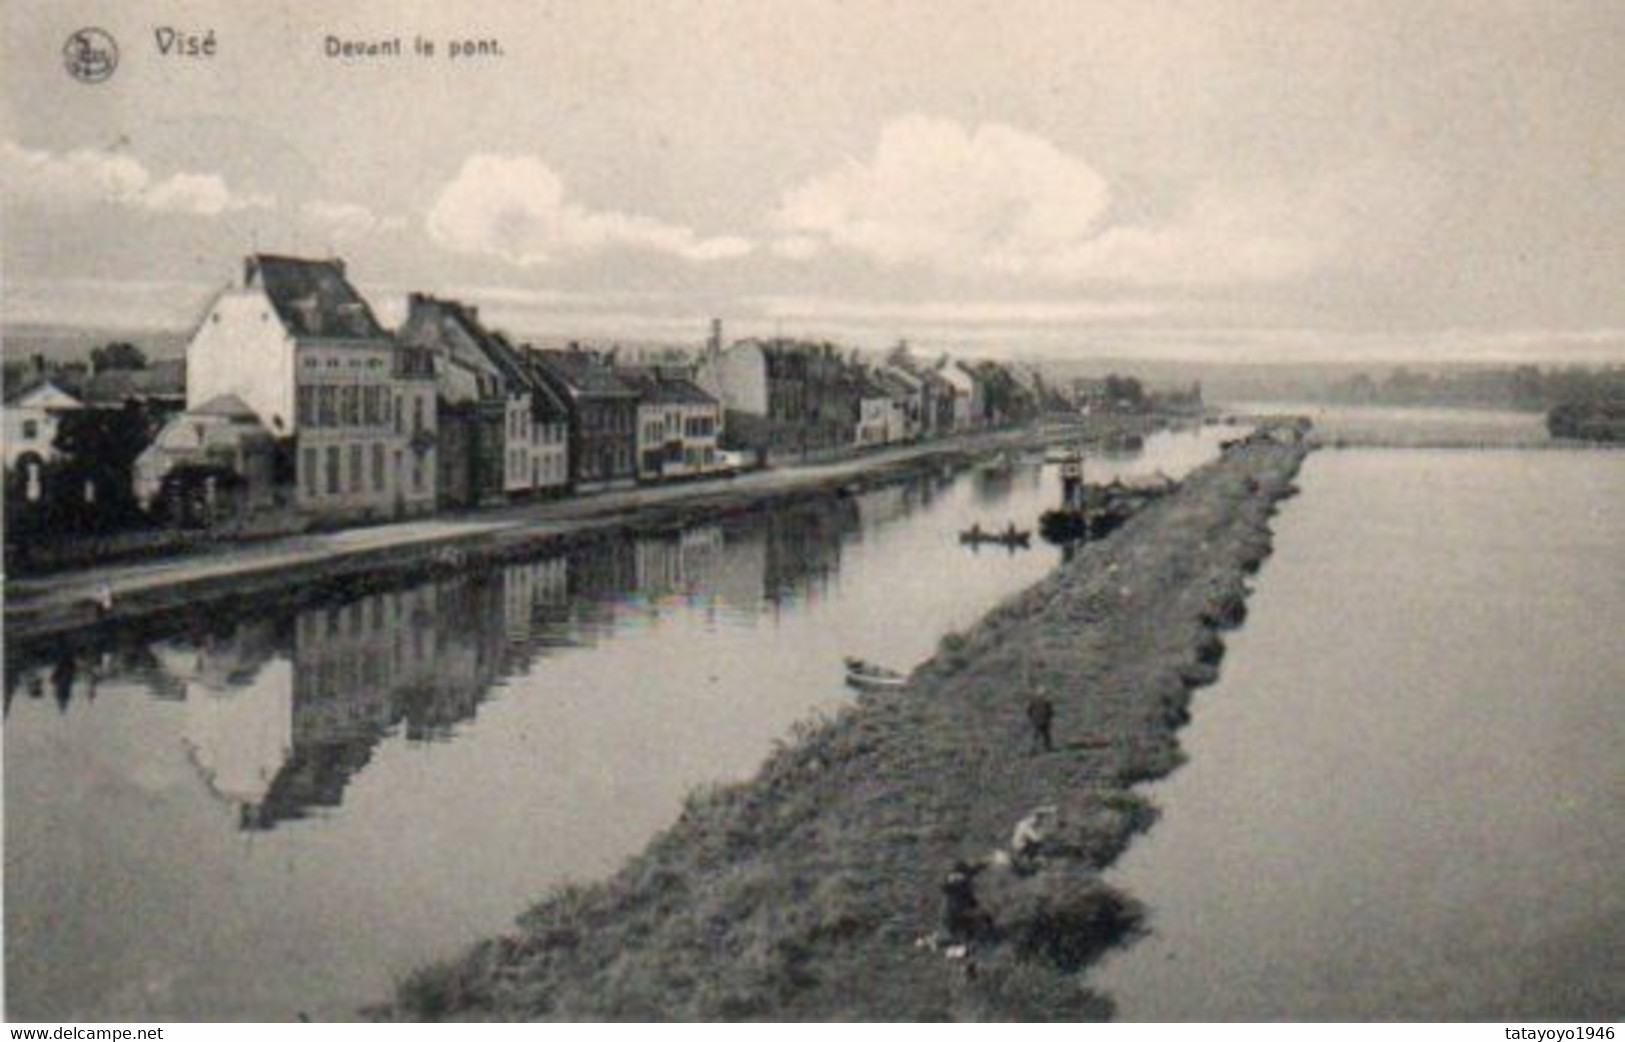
700 451
518 476
549 456
241 348
31 423
742 379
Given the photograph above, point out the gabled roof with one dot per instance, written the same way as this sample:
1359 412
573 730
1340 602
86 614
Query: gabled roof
162 379
869 385
226 405
454 314
954 373
897 384
583 374
43 387
313 298
655 389
906 377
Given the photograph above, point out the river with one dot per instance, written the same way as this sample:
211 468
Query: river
1404 797
264 816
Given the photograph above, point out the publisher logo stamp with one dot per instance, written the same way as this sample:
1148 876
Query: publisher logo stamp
90 55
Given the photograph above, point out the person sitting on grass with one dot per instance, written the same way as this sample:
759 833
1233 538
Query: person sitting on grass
1030 841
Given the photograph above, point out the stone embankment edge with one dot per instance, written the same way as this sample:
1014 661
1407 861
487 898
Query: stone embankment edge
258 586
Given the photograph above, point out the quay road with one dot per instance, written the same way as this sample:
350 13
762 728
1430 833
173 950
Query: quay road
54 604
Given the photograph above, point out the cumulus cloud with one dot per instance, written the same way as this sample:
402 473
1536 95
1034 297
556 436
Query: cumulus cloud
935 192
515 208
347 220
1003 201
84 178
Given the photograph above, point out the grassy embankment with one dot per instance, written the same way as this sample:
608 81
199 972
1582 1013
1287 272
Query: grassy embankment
801 893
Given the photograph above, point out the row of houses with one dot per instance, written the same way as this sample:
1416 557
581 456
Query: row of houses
295 397
784 394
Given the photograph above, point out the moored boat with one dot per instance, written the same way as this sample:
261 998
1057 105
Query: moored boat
1010 537
863 674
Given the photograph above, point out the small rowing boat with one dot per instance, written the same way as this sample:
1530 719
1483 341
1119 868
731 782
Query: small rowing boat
861 674
1010 537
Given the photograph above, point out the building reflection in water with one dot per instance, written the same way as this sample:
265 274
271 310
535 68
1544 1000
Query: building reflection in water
282 714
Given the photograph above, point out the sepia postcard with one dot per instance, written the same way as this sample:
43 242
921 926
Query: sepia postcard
813 510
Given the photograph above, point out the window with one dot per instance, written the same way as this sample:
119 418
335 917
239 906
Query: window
377 467
417 414
355 468
332 470
417 475
30 430
305 406
312 484
351 405
327 408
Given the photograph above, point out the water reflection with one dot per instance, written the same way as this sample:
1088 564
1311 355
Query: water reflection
282 714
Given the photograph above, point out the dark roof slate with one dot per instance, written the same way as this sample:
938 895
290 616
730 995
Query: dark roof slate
314 299
584 374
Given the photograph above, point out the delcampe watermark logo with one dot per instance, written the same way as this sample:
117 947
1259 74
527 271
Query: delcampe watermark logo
90 55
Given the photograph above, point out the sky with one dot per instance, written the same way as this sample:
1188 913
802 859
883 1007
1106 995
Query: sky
1220 181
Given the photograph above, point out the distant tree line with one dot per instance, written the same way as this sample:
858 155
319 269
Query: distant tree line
1525 387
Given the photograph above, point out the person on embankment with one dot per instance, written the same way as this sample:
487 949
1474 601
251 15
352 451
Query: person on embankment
963 919
1041 716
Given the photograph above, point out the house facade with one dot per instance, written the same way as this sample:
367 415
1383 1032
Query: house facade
503 432
907 393
874 413
32 419
603 416
297 344
214 461
736 375
678 425
966 410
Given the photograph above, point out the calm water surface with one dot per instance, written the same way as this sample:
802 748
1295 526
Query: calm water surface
285 813
1405 797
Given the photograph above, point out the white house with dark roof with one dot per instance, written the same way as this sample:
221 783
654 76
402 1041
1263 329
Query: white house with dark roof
297 344
32 417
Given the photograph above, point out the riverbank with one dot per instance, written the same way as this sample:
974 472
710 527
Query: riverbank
805 892
63 607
